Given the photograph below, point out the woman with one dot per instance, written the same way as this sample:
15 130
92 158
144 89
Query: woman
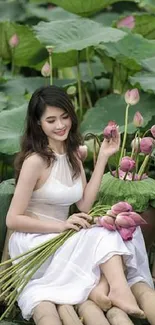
50 179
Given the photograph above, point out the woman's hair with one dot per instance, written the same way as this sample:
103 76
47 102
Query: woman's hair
34 140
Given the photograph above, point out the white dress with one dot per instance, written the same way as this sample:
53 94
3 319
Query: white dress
73 271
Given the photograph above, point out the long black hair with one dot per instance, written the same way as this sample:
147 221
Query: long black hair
34 140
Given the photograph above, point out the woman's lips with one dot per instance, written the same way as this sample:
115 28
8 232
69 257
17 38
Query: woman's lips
61 132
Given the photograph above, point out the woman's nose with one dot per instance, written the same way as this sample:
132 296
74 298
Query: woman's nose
59 124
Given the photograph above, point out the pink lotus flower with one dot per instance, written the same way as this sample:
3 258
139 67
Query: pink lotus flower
129 219
83 152
127 164
138 120
128 22
14 41
45 71
132 96
102 222
110 130
121 206
137 218
153 130
146 145
126 233
124 220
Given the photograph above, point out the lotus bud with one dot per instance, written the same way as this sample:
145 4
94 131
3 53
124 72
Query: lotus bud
71 91
126 233
49 49
110 214
109 220
124 220
14 41
132 96
127 164
83 152
153 130
138 120
128 22
135 144
146 145
45 71
121 206
103 223
110 130
137 218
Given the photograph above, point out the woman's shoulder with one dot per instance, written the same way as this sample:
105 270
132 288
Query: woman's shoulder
34 160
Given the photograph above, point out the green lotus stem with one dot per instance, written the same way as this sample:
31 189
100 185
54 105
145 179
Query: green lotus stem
92 135
51 68
38 247
31 263
143 166
75 104
79 85
91 72
147 131
125 132
126 174
132 153
95 153
88 97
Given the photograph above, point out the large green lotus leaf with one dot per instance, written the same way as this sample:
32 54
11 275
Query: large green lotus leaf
82 7
138 193
149 64
11 10
145 25
75 34
38 54
11 128
145 80
50 13
148 4
28 45
21 85
106 18
3 101
127 52
112 107
6 192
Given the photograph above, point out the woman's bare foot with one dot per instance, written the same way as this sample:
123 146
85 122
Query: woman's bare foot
100 299
100 295
125 300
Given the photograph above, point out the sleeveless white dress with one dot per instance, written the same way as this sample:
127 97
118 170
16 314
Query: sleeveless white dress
69 275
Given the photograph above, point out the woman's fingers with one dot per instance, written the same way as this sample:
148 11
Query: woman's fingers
83 215
79 221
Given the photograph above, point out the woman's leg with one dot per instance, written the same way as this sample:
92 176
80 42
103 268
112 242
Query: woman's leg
100 294
145 297
46 314
120 293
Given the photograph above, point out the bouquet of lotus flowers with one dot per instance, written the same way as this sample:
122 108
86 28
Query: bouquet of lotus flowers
119 217
129 181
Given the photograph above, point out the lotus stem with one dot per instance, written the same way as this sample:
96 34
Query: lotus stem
143 166
125 132
79 84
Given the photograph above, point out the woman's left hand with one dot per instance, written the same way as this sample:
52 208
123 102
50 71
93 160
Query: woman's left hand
111 146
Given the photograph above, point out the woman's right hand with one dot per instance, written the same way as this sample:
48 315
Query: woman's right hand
77 221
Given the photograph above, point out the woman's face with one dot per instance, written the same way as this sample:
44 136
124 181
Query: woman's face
56 123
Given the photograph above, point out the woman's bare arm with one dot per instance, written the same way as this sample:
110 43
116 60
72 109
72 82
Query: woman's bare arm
16 219
107 149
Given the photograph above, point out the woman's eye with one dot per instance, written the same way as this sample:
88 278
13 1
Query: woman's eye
65 116
51 122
